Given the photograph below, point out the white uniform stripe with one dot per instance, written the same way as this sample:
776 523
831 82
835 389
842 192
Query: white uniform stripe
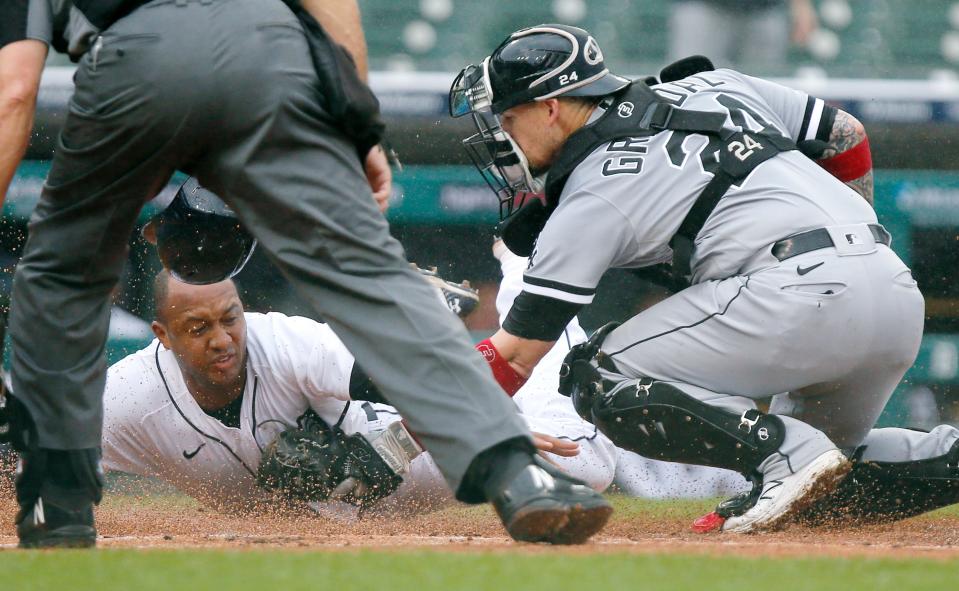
814 119
557 294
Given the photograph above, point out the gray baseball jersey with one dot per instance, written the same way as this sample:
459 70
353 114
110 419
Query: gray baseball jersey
626 200
829 332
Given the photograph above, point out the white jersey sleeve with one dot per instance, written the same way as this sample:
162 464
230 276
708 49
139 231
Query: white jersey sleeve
544 409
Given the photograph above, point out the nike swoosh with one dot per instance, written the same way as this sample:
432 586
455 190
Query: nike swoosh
772 486
802 271
189 455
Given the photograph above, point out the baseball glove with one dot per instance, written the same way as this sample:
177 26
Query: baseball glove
316 462
460 298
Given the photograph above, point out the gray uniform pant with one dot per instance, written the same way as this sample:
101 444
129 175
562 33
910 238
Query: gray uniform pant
226 91
830 345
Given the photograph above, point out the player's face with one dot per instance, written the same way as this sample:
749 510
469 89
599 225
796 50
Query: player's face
532 126
206 330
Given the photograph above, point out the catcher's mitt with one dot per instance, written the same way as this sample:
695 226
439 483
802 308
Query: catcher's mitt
316 462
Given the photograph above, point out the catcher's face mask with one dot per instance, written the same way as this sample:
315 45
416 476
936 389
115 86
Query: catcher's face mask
198 238
532 64
497 157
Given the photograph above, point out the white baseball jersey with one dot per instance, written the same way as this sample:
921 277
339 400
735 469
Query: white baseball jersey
154 427
627 199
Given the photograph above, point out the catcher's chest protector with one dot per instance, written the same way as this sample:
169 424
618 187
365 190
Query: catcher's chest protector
638 111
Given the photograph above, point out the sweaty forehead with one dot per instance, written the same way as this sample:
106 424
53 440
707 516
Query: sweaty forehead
201 301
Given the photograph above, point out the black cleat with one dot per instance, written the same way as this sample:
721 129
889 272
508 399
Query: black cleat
48 525
56 491
542 504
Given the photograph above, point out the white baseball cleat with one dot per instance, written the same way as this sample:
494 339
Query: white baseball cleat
781 500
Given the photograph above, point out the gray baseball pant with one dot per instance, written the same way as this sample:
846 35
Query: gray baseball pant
227 91
830 345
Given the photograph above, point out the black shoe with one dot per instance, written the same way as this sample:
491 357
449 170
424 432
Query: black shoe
542 504
48 525
56 491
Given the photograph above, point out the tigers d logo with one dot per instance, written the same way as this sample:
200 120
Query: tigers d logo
625 109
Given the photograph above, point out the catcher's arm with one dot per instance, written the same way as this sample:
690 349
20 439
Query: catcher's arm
846 154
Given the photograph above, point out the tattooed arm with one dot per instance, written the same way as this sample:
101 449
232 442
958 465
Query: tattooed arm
847 139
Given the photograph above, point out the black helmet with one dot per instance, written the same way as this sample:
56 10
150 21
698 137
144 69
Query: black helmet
199 238
535 63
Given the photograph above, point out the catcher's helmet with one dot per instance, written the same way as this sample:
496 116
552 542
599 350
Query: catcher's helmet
532 64
199 238
536 63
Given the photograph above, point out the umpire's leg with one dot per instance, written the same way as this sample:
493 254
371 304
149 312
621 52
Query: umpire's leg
312 211
109 159
299 187
103 172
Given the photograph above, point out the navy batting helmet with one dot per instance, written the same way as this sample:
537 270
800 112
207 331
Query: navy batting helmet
199 238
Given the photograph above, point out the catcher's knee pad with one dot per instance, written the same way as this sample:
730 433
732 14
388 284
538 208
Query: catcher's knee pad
659 421
875 492
579 377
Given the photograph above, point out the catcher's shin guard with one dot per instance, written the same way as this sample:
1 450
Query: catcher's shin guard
882 492
659 421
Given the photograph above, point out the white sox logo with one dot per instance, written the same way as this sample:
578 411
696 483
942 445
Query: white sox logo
625 109
591 52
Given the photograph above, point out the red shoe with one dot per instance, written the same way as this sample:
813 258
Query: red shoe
709 522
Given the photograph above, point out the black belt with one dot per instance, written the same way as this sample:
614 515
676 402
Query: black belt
820 238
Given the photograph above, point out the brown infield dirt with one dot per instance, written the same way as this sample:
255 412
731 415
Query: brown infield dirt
127 522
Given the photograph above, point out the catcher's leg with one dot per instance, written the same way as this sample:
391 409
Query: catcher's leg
897 473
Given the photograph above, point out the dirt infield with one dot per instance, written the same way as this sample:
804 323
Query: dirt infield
175 522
